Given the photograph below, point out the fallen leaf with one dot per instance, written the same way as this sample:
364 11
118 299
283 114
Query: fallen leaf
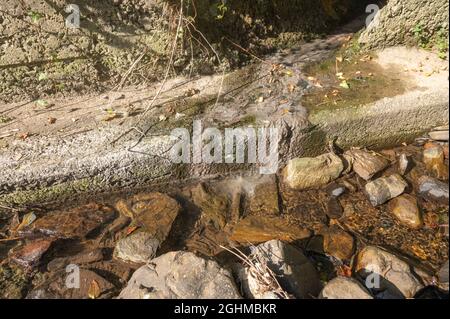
339 59
344 84
110 117
27 220
131 230
94 290
24 136
344 270
51 120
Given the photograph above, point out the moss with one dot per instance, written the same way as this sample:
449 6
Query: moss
14 282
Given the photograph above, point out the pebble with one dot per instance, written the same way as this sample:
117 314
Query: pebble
403 164
338 243
304 173
385 188
344 288
433 189
30 254
366 164
334 208
406 210
434 160
138 248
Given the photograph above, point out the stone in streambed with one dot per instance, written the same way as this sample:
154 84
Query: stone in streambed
396 277
258 229
366 164
293 270
334 208
433 190
154 212
30 255
338 243
304 173
442 276
406 210
344 288
439 135
434 160
383 189
75 223
79 259
139 247
181 275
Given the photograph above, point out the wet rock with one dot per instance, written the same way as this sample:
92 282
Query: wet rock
338 243
403 164
334 208
214 206
406 210
66 285
434 161
263 198
181 275
139 247
253 229
79 259
295 273
344 288
304 173
366 164
433 190
76 223
13 282
396 278
153 212
385 188
442 276
30 255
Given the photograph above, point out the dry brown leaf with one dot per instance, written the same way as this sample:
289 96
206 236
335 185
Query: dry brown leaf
131 230
27 220
51 120
94 290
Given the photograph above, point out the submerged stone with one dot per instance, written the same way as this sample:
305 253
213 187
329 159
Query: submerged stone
366 164
406 210
385 188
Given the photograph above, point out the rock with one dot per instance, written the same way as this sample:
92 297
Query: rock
433 190
139 247
403 164
214 206
295 273
406 210
442 276
385 188
344 288
335 190
366 164
439 135
303 173
253 288
79 259
334 208
76 223
397 279
434 161
30 255
263 198
181 275
154 212
58 286
338 243
253 229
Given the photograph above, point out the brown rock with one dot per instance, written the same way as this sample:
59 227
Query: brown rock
30 255
385 188
76 223
79 259
406 210
434 160
154 212
334 208
214 206
264 197
254 229
366 164
338 243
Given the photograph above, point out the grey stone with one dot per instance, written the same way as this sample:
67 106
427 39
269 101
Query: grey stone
439 136
443 275
396 277
181 275
385 188
140 247
295 272
433 189
344 288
